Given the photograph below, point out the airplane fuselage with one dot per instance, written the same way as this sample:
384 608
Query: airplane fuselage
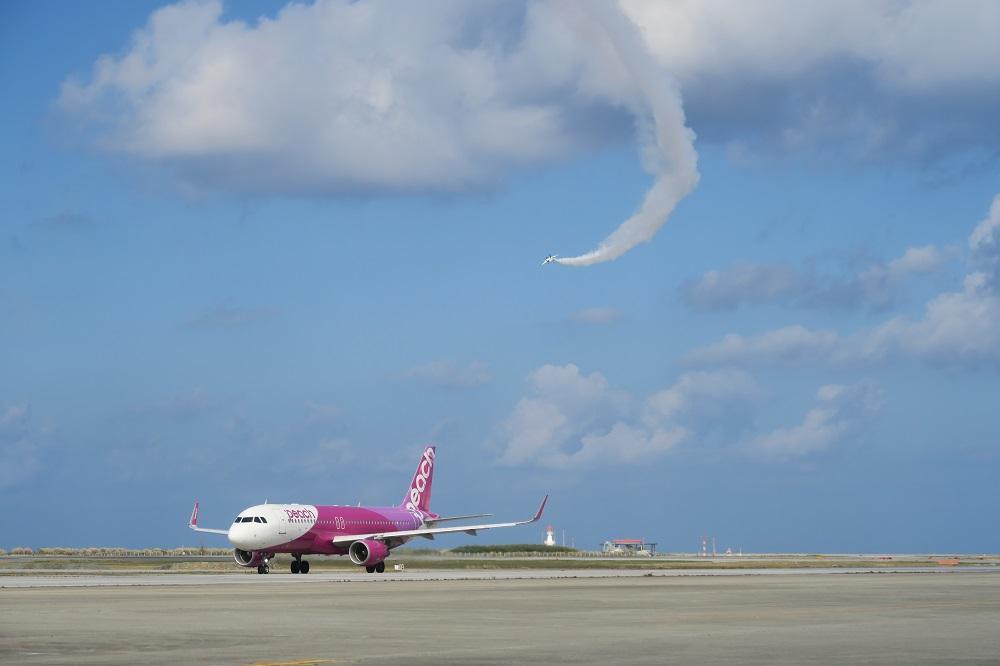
307 529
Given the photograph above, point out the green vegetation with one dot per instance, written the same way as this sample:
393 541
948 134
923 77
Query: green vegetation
511 548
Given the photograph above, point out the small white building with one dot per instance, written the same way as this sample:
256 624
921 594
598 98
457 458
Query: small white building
628 547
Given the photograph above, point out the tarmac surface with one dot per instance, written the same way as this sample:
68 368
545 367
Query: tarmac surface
489 617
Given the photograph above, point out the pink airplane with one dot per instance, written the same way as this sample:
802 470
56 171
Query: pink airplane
365 533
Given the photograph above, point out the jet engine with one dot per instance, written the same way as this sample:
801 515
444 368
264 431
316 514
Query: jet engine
368 552
248 558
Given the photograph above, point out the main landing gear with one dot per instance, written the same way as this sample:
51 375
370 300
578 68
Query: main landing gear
378 568
299 565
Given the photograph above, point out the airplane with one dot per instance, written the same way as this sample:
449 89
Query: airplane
549 259
365 534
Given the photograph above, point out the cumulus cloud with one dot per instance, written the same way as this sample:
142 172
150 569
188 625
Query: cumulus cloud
788 344
342 97
870 79
956 328
596 316
351 97
839 413
745 283
704 393
756 284
450 374
571 419
985 245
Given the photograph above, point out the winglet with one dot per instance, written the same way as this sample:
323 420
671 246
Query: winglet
541 507
194 516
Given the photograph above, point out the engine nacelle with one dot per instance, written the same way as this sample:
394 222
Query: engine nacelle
248 558
368 552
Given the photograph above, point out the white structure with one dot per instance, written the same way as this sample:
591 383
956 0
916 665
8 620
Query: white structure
550 539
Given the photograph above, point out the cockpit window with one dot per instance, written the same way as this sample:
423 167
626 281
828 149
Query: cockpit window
248 519
239 519
256 519
263 519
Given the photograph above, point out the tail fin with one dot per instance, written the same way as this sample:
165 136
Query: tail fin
418 495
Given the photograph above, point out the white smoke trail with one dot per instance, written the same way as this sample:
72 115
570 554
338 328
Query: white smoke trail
667 143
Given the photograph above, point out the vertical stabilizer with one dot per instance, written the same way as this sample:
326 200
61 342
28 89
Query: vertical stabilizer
418 495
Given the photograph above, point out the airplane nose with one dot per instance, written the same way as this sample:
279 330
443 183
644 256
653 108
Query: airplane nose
238 537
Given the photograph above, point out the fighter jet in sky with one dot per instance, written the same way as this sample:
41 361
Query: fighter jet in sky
549 259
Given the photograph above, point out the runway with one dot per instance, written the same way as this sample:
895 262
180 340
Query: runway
507 617
62 578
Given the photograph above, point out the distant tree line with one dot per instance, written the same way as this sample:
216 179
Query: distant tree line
511 548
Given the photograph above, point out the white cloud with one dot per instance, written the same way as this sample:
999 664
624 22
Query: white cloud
916 261
596 316
870 77
696 391
339 96
788 344
352 97
626 443
746 284
574 420
956 328
985 244
912 44
839 413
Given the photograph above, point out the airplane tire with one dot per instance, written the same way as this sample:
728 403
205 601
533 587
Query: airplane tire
261 569
304 567
370 569
296 567
380 567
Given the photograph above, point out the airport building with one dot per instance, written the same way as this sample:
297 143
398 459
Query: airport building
628 547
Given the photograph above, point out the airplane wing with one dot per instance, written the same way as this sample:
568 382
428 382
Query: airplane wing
429 532
435 521
193 523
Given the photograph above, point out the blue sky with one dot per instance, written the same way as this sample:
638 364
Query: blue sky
249 252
